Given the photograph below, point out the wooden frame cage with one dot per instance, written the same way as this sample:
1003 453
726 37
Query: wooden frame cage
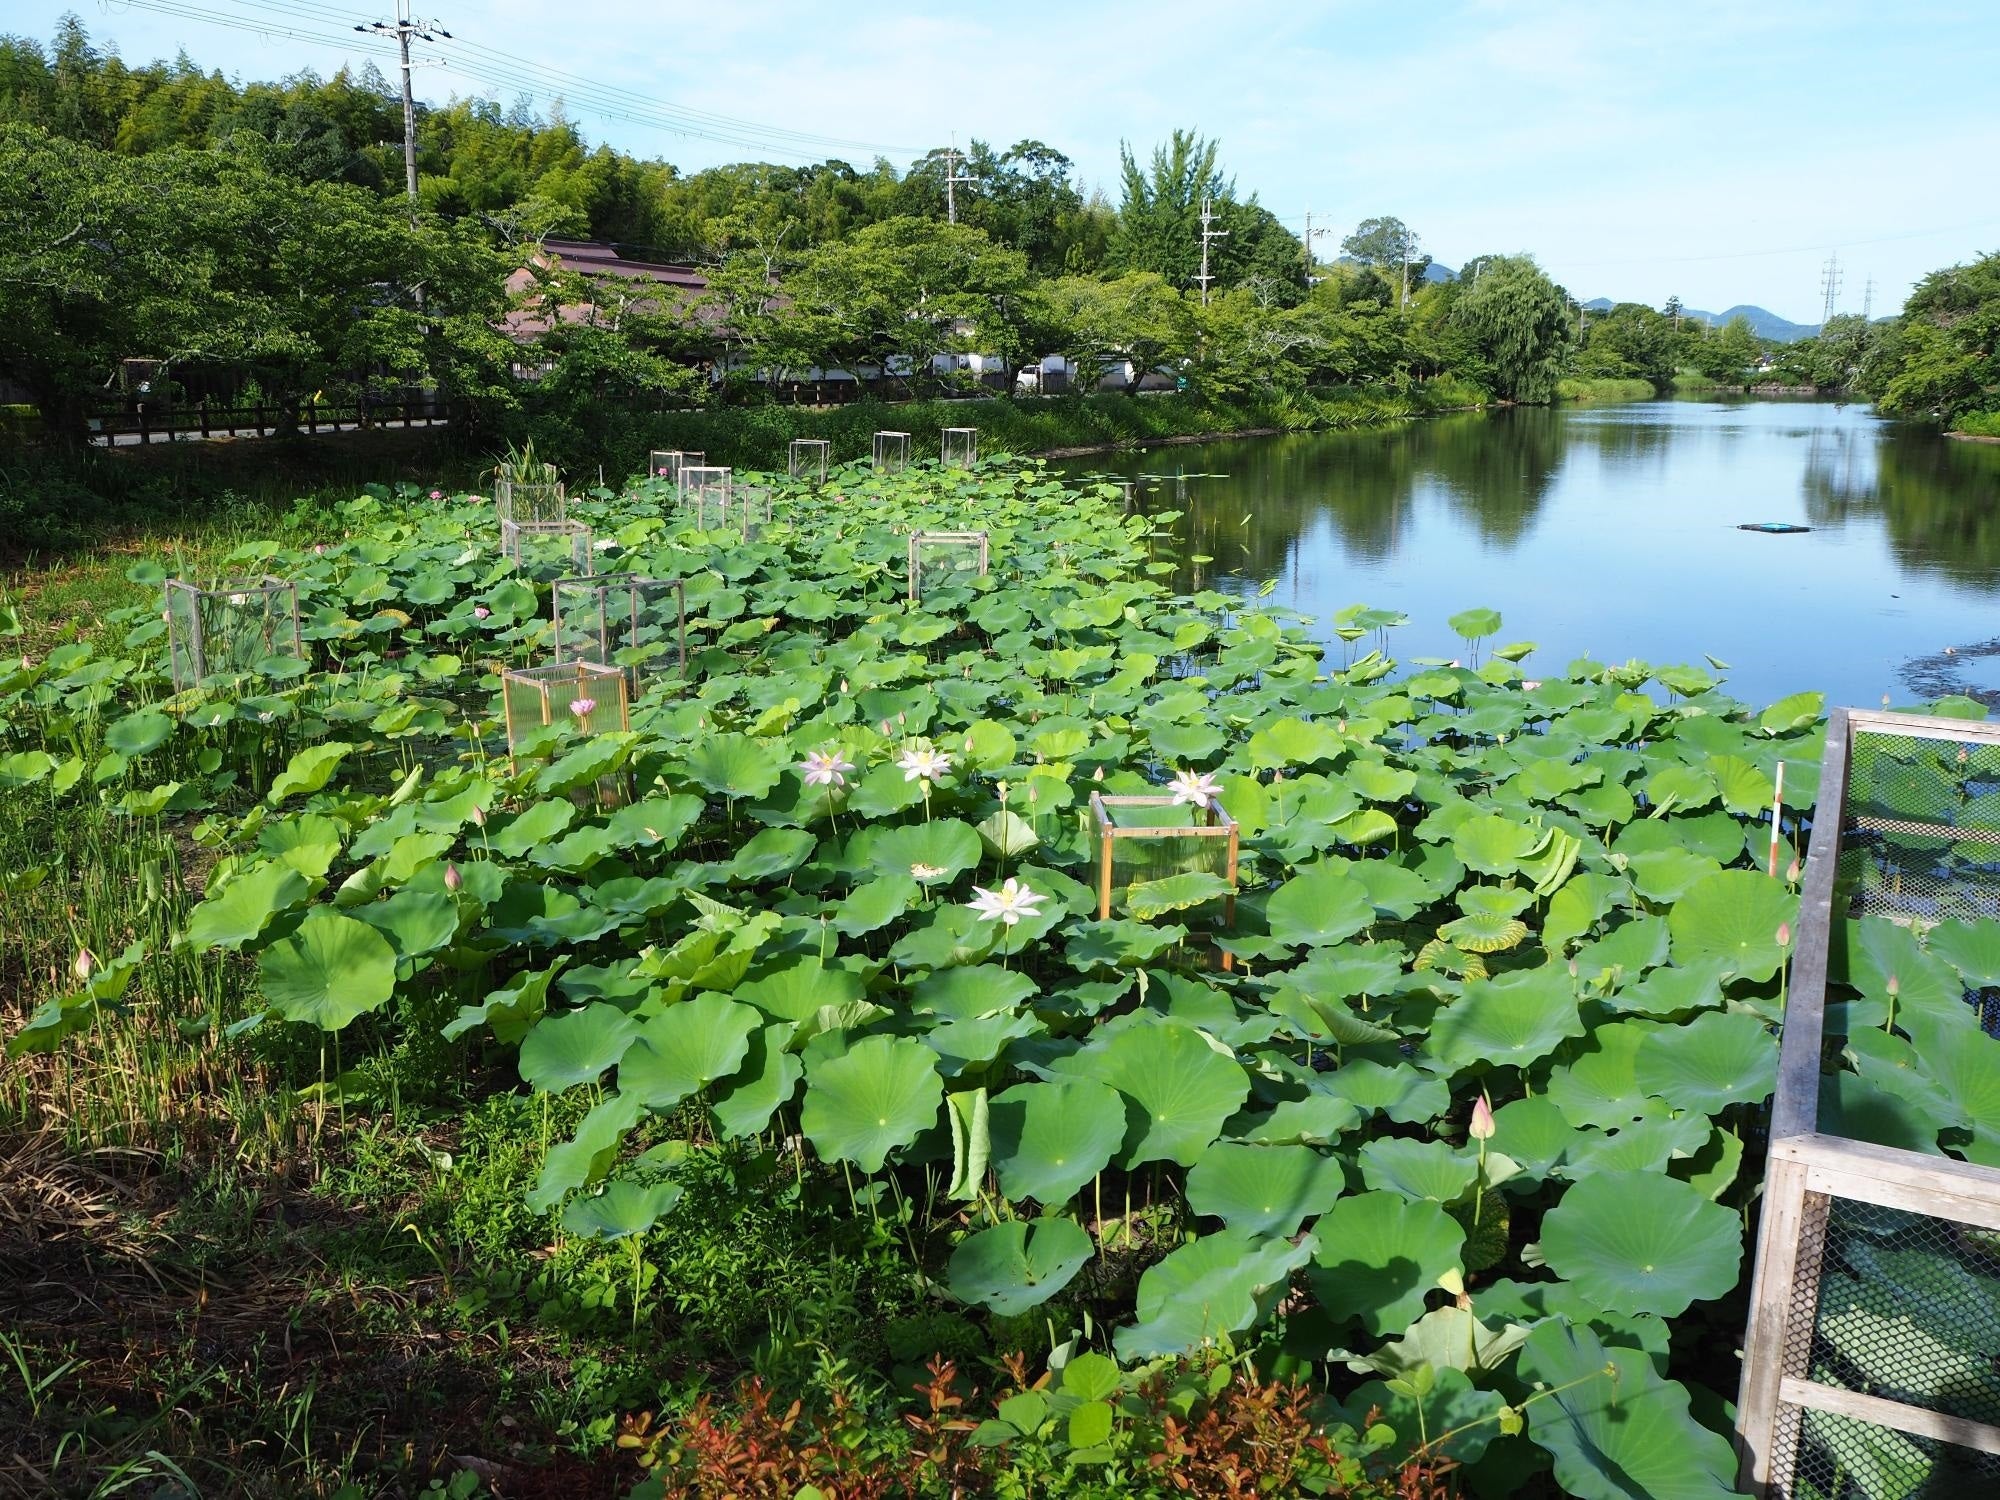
587 694
665 463
536 500
959 448
705 491
1151 836
230 628
1870 1358
750 508
892 452
941 557
638 625
808 459
563 545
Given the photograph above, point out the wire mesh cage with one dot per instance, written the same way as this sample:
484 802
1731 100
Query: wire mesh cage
1141 839
940 559
751 508
538 546
705 494
535 497
234 627
892 452
587 695
620 620
1871 1364
961 447
808 459
665 463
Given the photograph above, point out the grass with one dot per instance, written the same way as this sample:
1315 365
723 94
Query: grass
1978 424
1605 388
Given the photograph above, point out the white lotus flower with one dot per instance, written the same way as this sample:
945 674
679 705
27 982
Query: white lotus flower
1196 787
1009 904
825 768
921 763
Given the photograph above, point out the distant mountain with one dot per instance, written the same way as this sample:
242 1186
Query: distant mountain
1763 322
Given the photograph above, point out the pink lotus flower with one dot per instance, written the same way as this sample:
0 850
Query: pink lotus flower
437 494
481 612
452 879
664 472
583 707
1481 1127
825 768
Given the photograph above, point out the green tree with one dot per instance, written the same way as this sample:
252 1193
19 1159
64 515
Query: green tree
1945 357
1129 325
1391 249
1630 341
1519 322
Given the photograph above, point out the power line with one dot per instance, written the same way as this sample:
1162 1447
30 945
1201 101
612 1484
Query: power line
1829 285
497 69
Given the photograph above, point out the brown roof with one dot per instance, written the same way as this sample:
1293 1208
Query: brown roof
682 286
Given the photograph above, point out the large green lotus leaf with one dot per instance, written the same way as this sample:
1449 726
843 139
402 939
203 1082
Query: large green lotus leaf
586 1156
1380 1255
969 993
1717 1059
799 989
1625 952
1494 845
1600 1085
308 771
767 1079
1879 950
1323 906
1616 1429
1319 1119
510 1010
328 971
1675 990
1639 1146
685 1048
1799 711
1514 1020
1745 786
965 1045
655 822
873 905
956 935
1534 1133
874 1098
1450 1406
929 853
734 765
1663 876
1962 1066
238 912
1293 742
1417 1169
1971 947
1178 1088
536 825
1637 1242
1146 899
1017 1265
623 1209
1265 1190
1212 1289
575 1047
1449 1338
1734 915
142 733
1576 909
1049 1139
1327 1020
416 922
771 853
1404 1092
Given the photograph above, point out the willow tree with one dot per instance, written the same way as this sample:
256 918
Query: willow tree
1520 321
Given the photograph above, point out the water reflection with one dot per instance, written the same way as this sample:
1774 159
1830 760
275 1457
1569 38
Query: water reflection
1612 530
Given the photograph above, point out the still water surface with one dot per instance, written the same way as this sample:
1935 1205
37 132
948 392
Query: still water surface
1612 531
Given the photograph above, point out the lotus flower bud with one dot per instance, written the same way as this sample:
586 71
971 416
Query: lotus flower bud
1481 1127
478 815
1792 872
453 881
1785 935
83 965
1895 988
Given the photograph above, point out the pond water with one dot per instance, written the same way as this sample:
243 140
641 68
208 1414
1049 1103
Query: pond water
1612 531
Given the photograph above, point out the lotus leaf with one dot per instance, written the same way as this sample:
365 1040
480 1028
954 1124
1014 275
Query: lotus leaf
238 912
870 1100
768 1078
1319 908
578 1046
685 1048
1179 1087
1018 1265
1637 1242
1264 1190
1209 1290
1380 1255
1717 1059
1516 1019
622 1210
1734 915
330 970
1449 1406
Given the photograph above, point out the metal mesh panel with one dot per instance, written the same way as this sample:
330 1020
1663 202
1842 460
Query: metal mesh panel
1921 837
1901 1306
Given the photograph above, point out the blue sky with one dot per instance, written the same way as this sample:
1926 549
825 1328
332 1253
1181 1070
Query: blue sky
1713 149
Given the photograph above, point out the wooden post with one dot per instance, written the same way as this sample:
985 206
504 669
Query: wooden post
1764 1345
1777 816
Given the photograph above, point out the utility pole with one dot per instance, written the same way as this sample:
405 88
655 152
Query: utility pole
403 29
1207 234
1829 285
1310 232
952 178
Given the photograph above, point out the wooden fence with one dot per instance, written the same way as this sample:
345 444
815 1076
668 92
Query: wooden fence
148 422
1871 1365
